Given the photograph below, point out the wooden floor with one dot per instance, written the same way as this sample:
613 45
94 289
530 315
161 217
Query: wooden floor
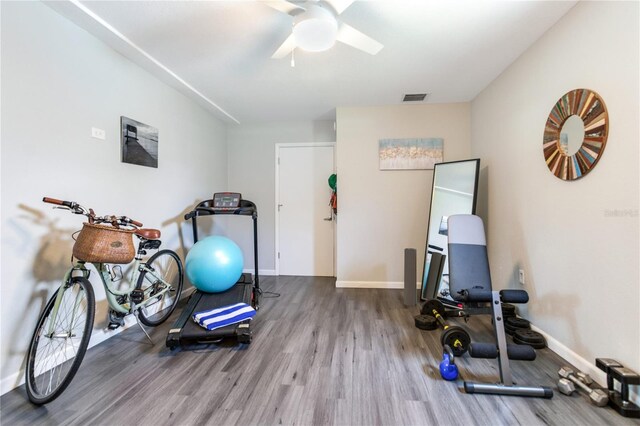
319 356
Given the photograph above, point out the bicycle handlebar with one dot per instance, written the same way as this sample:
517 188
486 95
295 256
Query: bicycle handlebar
70 204
78 209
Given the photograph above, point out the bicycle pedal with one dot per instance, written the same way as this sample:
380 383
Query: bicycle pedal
116 319
114 325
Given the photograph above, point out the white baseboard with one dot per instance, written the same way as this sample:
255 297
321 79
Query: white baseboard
11 382
370 284
373 284
265 272
580 363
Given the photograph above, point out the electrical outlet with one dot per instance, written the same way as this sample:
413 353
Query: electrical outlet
521 276
98 133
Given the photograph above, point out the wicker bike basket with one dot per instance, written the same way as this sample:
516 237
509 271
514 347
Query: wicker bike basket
104 244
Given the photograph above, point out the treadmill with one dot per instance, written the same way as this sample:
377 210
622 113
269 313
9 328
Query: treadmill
185 331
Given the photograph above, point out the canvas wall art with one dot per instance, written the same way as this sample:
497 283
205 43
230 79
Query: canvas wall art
410 154
139 143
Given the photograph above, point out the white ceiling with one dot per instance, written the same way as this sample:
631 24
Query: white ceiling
450 49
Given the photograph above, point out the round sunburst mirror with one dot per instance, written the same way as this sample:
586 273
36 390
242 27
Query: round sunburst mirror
575 134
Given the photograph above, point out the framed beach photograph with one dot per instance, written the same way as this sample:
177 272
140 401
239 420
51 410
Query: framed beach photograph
410 154
139 143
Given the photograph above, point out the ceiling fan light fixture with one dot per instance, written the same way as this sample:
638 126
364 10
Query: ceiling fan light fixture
315 30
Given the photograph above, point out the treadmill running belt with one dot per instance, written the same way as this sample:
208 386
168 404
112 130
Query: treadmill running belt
186 331
195 332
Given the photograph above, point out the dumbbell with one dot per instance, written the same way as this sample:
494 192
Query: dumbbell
567 387
455 337
568 382
584 378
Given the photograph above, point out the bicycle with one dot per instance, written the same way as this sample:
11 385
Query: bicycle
64 328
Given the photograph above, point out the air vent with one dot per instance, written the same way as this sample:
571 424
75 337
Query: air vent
414 97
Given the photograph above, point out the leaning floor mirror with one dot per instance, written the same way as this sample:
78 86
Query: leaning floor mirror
454 191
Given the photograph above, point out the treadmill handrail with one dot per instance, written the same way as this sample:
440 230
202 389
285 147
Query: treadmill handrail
247 208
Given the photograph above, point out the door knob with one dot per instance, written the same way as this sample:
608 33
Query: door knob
328 219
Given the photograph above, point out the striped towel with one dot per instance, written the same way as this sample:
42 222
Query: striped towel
226 315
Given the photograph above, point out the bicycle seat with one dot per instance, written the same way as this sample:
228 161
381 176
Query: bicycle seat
147 233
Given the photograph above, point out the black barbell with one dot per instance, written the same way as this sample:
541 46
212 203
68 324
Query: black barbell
456 337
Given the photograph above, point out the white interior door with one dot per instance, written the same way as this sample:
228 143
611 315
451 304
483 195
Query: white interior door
305 226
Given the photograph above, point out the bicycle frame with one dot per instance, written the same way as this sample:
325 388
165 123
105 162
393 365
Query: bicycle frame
56 306
111 292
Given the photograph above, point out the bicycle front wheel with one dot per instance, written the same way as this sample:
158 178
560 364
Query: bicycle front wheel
163 272
60 341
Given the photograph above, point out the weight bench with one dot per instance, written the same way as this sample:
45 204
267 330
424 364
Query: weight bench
501 350
469 267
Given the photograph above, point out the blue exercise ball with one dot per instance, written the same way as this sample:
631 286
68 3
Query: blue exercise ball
214 264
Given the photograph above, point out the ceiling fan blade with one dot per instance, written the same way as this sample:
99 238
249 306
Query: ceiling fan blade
285 48
339 6
283 6
354 38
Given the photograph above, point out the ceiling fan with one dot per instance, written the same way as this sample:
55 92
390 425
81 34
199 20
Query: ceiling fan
316 27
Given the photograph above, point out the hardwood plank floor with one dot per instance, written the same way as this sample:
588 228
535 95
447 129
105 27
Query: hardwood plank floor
319 356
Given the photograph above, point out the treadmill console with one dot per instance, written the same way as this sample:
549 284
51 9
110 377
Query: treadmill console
226 200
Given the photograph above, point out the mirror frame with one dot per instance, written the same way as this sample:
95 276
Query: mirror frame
590 107
433 285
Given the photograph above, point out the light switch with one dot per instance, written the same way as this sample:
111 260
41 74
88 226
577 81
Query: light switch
98 133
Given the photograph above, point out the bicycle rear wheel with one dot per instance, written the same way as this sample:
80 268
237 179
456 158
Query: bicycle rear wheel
60 341
165 271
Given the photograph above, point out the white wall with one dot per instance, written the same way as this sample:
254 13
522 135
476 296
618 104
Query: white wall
251 156
380 213
580 256
57 82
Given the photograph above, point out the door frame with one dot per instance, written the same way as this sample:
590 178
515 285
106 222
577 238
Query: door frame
280 146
